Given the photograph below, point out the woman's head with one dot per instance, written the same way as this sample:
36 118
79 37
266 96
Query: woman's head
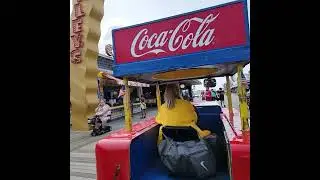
171 94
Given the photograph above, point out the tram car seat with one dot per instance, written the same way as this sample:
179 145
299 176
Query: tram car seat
180 134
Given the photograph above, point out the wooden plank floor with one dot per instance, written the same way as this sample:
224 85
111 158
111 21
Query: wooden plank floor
82 150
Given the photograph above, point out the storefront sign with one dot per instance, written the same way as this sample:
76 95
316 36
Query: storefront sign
76 33
209 29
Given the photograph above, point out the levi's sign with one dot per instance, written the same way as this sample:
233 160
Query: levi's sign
212 28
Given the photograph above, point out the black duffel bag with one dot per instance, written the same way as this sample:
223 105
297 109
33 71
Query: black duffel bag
193 158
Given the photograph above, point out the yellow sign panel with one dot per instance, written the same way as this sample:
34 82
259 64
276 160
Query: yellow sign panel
185 74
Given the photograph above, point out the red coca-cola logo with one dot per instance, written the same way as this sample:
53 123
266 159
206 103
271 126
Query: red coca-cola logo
213 28
174 39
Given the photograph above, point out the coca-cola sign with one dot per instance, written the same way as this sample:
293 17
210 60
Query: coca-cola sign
213 28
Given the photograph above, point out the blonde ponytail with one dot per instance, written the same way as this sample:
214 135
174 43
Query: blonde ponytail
170 95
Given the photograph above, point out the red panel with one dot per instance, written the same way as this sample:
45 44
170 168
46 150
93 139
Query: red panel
213 28
109 154
240 153
114 150
239 146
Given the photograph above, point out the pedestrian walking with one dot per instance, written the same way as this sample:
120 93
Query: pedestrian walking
214 95
208 94
143 107
221 97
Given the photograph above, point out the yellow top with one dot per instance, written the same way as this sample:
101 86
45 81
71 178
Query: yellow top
183 114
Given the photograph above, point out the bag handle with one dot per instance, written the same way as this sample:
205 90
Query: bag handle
169 140
166 137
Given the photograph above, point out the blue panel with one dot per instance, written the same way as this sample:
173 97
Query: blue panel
209 118
246 19
143 152
219 56
209 109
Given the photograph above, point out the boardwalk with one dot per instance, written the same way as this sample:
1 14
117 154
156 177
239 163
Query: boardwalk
82 150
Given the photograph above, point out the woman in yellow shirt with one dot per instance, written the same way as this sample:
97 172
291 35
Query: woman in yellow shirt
177 112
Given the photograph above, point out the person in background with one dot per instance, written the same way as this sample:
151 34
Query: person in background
221 97
214 95
131 107
185 95
208 94
143 107
203 96
103 111
132 101
177 112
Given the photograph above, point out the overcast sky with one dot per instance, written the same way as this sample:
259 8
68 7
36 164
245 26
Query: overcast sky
119 13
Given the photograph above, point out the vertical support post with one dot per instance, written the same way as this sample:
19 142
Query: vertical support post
126 104
229 100
242 101
158 96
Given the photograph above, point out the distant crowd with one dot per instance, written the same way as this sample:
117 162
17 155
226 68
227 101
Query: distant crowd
213 95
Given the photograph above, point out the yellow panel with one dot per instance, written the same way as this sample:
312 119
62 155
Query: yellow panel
127 106
185 74
242 101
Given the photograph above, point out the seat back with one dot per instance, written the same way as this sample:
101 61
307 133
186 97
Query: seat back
209 118
180 133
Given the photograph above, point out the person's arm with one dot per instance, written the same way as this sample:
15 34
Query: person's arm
201 133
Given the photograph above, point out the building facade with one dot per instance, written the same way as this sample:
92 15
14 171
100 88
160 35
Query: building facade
105 63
